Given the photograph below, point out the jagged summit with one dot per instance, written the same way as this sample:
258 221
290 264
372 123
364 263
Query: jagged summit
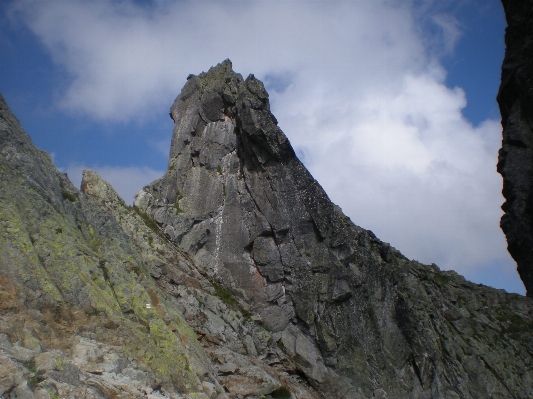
359 318
234 191
221 94
234 276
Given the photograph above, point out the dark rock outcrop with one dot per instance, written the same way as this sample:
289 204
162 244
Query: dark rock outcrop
515 161
358 319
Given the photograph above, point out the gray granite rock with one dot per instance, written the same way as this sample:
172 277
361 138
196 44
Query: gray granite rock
243 351
80 315
355 317
233 276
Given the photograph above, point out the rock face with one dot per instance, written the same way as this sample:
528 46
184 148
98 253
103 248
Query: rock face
244 354
357 318
80 315
234 276
515 161
96 303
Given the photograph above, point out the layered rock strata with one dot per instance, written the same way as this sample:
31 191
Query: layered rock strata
358 319
515 160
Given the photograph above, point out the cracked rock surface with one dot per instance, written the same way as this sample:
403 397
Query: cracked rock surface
233 276
80 315
357 318
245 355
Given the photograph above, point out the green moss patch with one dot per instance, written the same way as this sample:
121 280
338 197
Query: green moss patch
227 296
67 195
177 208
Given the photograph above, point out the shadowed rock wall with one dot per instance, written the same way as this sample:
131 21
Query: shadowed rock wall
515 161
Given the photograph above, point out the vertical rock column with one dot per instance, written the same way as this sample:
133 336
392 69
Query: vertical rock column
212 201
515 160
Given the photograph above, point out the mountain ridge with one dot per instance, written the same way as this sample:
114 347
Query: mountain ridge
233 276
327 269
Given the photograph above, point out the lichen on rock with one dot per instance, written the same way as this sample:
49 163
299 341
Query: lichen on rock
233 276
351 312
69 274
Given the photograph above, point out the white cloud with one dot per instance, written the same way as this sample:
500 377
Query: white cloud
357 87
125 180
407 165
122 58
450 31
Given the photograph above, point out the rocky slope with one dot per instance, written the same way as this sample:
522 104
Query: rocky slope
80 315
95 303
515 161
233 277
244 353
358 318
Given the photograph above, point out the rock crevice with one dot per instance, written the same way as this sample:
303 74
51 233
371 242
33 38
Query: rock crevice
353 313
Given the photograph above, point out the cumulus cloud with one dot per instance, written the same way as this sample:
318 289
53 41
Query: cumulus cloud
406 164
125 180
356 85
122 58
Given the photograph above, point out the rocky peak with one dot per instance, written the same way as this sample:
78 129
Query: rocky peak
357 317
236 196
234 276
98 189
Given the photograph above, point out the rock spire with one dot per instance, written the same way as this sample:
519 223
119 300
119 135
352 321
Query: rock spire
358 318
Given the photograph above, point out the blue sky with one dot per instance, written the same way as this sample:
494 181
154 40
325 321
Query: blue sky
391 105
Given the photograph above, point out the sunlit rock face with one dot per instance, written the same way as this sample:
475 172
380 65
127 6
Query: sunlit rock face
80 315
515 161
234 276
358 319
96 303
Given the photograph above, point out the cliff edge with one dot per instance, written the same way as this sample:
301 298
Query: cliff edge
515 160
